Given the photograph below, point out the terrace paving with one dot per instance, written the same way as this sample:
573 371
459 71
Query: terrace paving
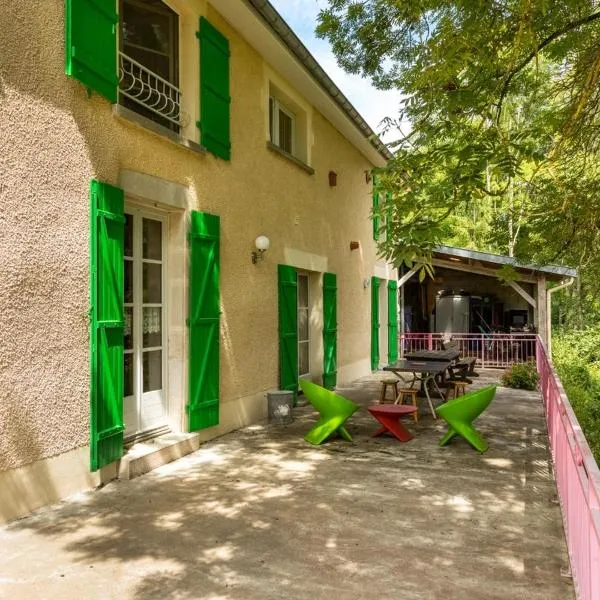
261 514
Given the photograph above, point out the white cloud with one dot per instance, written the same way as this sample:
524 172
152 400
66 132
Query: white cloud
374 105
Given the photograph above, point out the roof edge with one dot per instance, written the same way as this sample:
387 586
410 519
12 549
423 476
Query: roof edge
284 32
505 260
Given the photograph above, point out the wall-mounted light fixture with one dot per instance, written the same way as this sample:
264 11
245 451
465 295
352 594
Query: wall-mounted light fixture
366 282
262 245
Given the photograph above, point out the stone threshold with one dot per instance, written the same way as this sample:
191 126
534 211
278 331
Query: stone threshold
143 457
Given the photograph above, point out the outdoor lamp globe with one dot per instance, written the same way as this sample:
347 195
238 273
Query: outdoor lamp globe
262 243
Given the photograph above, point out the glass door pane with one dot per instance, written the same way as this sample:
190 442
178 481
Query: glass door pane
303 326
143 368
152 400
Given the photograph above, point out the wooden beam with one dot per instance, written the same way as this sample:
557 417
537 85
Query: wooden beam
515 286
461 266
407 276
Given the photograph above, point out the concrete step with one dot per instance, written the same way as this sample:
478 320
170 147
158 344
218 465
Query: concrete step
145 456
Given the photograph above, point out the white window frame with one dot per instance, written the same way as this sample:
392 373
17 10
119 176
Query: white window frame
274 126
137 351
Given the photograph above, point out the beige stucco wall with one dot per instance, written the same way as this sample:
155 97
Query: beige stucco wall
54 139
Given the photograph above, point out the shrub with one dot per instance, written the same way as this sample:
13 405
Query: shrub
522 376
576 355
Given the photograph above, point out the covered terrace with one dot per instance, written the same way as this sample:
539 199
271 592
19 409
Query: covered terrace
467 295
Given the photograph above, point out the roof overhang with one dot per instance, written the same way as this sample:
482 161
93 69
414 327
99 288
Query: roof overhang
264 29
486 263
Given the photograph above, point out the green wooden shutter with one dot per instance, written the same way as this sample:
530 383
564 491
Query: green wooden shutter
288 328
392 321
375 323
203 321
107 324
91 44
329 330
215 100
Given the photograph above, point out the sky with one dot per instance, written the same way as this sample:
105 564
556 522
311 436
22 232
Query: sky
372 104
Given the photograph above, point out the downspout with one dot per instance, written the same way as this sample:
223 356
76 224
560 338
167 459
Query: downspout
549 293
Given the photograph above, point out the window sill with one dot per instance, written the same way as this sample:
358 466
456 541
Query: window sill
271 146
133 117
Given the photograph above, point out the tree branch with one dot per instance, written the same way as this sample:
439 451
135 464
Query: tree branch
545 42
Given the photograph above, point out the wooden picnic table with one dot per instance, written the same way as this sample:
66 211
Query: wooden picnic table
438 355
424 371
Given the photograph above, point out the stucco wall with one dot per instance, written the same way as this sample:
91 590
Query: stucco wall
54 139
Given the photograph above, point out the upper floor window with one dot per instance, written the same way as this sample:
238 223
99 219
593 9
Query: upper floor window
134 58
288 123
282 125
149 61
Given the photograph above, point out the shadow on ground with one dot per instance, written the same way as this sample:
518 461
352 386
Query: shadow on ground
261 514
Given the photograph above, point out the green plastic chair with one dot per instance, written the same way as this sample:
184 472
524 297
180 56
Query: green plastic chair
460 414
335 410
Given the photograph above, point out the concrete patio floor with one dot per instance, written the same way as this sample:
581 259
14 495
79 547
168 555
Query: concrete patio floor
260 514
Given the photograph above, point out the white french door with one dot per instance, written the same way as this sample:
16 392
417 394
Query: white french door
144 402
303 326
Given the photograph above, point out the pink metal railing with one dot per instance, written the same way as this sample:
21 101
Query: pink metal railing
491 350
577 480
576 472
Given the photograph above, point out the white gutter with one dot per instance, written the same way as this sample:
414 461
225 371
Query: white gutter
549 293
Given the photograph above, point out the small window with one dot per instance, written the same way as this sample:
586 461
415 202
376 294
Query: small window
149 61
282 126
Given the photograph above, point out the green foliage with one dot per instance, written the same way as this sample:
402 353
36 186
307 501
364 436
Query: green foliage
503 101
507 273
523 376
581 346
576 356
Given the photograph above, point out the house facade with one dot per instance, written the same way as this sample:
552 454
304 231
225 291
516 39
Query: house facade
150 151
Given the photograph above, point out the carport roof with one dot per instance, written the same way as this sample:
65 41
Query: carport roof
468 257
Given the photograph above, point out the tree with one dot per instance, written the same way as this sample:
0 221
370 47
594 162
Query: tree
504 102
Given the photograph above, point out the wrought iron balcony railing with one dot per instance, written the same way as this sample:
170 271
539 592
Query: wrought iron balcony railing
149 90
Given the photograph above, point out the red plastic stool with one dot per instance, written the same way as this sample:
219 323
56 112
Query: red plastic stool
389 417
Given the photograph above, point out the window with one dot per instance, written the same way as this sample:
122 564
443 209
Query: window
149 61
282 126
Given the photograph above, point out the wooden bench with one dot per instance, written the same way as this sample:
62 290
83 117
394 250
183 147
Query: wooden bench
463 369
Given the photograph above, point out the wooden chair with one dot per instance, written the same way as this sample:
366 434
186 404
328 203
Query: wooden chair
391 383
456 389
412 396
